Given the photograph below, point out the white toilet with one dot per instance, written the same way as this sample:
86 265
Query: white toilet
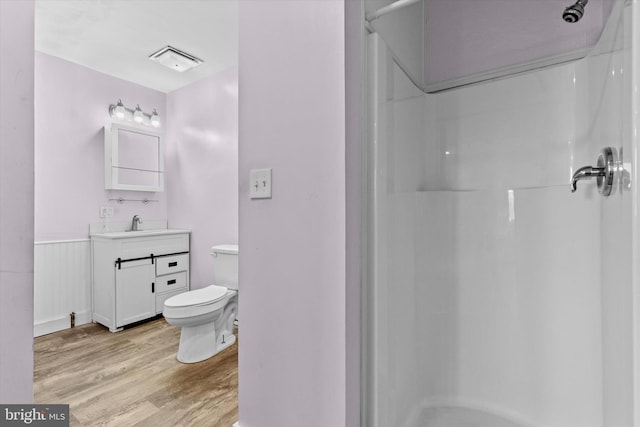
206 315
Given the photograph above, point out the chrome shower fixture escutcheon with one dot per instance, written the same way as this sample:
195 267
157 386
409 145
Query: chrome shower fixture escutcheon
604 172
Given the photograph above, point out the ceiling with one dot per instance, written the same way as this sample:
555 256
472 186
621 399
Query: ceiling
116 37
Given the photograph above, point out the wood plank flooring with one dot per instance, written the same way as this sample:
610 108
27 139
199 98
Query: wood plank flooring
132 378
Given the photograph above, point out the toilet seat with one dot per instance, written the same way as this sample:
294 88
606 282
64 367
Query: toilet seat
207 295
196 302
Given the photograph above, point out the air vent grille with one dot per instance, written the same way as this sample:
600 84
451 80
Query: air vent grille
175 59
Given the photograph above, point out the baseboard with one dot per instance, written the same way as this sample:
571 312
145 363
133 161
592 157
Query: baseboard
59 324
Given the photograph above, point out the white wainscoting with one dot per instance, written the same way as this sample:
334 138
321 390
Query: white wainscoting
62 284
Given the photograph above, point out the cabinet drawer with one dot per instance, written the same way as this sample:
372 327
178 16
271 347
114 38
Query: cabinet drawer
171 282
139 247
171 264
161 298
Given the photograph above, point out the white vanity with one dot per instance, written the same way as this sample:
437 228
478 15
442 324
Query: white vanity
134 272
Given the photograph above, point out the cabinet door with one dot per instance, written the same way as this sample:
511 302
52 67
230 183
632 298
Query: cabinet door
135 298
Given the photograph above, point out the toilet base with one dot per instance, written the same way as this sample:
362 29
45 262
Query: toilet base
225 341
212 332
197 343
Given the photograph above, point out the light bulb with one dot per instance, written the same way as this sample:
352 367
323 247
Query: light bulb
138 116
155 119
120 111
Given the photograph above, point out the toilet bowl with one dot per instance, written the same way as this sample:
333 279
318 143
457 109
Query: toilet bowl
207 315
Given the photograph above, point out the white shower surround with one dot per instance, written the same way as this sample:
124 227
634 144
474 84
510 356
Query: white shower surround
494 287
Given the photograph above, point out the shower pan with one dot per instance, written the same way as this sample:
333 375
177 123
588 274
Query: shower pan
494 295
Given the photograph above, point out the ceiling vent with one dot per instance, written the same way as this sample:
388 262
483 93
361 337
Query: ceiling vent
175 59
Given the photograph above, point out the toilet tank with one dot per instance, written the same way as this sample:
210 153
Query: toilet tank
225 265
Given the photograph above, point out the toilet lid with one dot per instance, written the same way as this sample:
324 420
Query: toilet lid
203 296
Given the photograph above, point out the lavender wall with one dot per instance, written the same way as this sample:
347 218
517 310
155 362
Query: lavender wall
354 103
292 262
202 166
16 201
354 115
71 109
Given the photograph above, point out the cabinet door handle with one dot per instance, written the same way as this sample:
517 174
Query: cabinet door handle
171 282
173 264
153 287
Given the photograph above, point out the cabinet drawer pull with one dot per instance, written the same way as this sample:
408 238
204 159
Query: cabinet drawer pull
153 287
173 264
171 282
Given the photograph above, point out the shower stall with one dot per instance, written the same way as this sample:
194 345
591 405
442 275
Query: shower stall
495 296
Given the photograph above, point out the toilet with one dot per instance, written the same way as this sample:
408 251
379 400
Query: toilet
207 315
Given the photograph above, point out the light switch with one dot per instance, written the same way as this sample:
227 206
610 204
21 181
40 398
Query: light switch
260 184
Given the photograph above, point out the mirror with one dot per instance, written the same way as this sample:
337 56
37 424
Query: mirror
134 159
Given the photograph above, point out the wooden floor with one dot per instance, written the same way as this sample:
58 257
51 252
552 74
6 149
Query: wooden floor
132 378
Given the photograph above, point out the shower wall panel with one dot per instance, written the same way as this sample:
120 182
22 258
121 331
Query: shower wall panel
492 34
444 43
612 116
490 299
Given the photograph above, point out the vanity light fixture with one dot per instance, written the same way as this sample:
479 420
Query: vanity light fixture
155 119
138 115
120 112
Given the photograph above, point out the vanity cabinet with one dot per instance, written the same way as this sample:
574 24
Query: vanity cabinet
133 273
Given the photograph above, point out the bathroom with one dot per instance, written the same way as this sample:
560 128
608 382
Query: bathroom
198 113
301 91
284 343
74 88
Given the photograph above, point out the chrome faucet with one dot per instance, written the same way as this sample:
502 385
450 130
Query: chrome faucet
134 222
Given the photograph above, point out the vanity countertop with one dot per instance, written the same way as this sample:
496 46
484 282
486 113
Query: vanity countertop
139 233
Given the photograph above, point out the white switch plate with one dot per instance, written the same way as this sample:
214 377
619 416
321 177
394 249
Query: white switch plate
260 184
106 211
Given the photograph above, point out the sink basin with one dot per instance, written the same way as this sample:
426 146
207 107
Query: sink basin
140 233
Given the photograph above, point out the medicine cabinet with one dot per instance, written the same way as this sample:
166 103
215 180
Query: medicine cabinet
134 159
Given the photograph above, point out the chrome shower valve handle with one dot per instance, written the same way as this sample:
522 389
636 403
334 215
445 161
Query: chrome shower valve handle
604 172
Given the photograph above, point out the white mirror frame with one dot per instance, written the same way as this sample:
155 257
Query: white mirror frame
111 178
